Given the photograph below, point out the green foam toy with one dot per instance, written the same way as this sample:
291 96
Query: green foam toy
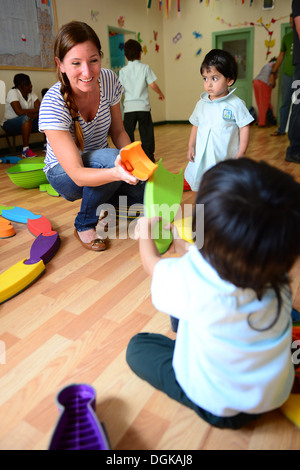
162 198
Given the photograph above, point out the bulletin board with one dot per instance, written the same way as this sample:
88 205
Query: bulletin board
27 32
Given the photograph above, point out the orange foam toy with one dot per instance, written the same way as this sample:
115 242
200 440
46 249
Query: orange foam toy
6 229
136 162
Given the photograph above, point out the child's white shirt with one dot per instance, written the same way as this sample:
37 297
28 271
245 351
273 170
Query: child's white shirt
222 364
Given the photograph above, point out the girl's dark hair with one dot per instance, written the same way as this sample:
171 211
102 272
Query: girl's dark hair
21 79
223 61
251 224
132 49
68 36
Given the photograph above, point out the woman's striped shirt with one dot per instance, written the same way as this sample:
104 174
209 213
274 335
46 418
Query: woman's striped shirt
55 115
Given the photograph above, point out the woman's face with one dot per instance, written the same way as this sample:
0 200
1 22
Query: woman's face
82 65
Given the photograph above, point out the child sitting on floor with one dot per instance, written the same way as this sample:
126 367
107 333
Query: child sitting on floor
231 360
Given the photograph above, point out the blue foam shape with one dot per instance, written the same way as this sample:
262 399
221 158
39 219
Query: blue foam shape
10 159
18 214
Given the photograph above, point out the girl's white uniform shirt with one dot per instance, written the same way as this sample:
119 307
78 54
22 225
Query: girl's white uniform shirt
218 122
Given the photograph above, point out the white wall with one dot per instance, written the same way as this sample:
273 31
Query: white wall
179 79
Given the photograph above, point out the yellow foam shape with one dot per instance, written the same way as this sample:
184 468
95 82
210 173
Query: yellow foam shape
291 408
184 227
18 277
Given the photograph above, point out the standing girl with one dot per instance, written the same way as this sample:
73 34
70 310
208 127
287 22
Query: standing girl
220 119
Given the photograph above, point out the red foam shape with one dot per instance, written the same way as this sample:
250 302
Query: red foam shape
186 186
38 226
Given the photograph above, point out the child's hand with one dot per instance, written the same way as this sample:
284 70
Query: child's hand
144 226
191 155
178 245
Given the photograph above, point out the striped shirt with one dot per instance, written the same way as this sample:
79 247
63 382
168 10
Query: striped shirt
55 115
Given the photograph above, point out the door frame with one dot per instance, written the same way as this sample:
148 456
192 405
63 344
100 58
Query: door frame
249 36
285 28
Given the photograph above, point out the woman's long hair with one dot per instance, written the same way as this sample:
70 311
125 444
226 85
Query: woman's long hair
68 36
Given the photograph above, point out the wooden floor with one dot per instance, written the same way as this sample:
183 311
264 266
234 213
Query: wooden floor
74 323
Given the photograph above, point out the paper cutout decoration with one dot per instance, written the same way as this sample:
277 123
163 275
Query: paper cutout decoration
156 47
177 38
121 21
269 43
145 50
139 39
94 15
197 35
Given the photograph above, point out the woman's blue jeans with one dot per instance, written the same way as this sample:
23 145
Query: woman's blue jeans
94 196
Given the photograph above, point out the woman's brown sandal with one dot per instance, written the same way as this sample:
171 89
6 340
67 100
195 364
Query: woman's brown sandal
94 245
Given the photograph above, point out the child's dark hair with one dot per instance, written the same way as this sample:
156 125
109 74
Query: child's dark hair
132 49
21 79
223 61
251 224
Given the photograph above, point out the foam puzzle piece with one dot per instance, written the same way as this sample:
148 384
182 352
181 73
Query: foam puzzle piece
184 228
291 408
18 277
6 229
17 214
44 248
40 225
78 427
162 198
10 159
48 189
135 161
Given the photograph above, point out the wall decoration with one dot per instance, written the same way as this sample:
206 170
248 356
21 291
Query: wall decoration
145 50
156 47
121 21
177 38
178 56
198 52
197 35
269 43
94 15
139 39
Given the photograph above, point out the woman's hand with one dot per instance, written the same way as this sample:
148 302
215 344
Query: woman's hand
124 175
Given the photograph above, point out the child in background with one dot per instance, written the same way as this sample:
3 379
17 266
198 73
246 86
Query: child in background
263 90
220 119
135 78
22 112
231 360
